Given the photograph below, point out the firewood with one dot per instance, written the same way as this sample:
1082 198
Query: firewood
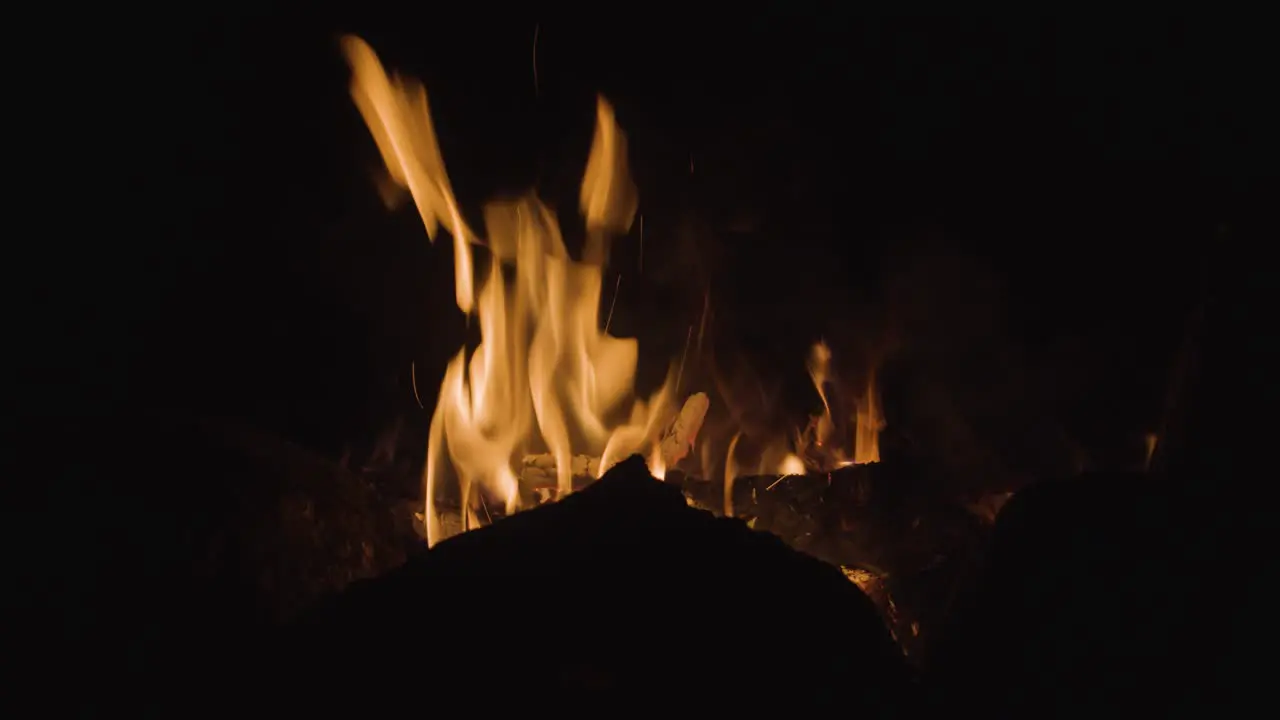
678 440
540 470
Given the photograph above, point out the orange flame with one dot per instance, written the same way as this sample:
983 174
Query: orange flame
544 376
544 389
868 420
867 426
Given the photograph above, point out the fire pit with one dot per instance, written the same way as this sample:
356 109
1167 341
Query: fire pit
547 402
853 334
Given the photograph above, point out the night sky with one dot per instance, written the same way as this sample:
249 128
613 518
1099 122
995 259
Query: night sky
241 264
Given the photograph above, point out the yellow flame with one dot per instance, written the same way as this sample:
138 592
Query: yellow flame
544 376
869 423
868 420
819 362
790 465
546 382
657 466
730 474
399 119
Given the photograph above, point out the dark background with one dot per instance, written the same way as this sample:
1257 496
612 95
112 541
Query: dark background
195 232
214 244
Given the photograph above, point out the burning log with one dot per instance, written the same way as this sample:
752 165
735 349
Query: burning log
539 471
678 440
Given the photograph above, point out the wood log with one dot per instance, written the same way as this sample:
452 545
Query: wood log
539 471
678 439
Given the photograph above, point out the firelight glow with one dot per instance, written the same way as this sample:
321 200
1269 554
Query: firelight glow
546 391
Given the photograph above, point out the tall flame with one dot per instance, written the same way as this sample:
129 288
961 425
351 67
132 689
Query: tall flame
867 426
868 420
396 111
544 376
819 367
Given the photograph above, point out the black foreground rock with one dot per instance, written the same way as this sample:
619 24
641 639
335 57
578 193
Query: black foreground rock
619 595
165 548
1086 606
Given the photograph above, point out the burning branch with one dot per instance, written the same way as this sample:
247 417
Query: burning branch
540 470
413 380
617 287
679 437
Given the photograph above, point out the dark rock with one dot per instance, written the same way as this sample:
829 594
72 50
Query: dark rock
175 543
301 526
621 592
887 518
1096 593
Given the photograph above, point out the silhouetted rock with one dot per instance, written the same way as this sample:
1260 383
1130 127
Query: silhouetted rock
173 544
300 526
1096 595
618 594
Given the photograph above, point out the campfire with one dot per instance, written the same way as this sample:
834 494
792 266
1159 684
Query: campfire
548 401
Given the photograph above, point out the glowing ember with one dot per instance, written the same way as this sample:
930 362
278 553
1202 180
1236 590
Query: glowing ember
864 579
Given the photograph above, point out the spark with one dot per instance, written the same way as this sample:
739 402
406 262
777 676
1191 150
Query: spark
702 324
775 482
640 270
613 303
413 380
687 339
535 60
